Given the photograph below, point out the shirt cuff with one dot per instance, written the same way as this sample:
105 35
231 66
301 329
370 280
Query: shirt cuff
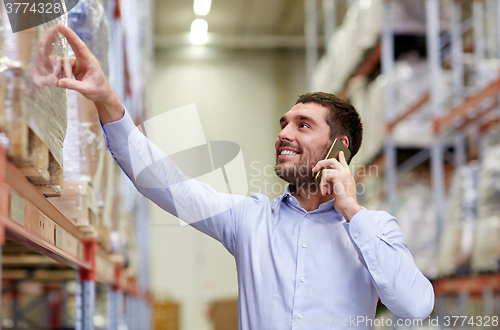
117 132
362 228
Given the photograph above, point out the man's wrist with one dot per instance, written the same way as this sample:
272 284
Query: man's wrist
349 211
110 110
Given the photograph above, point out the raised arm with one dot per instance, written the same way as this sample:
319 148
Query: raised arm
151 171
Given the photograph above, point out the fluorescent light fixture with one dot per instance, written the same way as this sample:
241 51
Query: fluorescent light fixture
202 7
199 30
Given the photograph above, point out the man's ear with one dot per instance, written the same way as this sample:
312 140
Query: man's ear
345 140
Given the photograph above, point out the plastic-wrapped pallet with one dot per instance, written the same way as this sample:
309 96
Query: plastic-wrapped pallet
458 235
486 252
84 139
33 108
84 146
417 220
362 22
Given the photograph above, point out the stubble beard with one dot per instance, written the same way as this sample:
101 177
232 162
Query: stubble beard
299 174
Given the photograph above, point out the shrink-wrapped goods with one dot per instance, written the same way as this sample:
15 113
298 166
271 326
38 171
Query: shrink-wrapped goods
417 220
486 251
33 108
84 146
363 23
84 138
460 225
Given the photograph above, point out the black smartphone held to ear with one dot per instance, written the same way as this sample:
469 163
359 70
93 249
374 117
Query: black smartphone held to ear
336 147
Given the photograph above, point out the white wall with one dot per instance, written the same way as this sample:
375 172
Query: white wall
240 97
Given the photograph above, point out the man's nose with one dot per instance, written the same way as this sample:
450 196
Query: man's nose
286 134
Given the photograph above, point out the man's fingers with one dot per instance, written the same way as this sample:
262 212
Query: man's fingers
68 64
342 159
72 84
327 177
79 47
49 39
326 163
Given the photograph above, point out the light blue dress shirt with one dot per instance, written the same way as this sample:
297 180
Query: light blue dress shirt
296 269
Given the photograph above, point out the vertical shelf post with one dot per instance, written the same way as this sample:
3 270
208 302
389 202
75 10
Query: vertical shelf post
311 33
390 111
86 285
457 66
478 31
329 18
434 63
3 213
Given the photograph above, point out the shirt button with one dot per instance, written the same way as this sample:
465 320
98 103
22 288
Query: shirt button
304 245
299 316
308 215
372 267
356 235
302 279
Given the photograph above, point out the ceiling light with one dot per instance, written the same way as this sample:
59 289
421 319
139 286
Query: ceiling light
199 29
202 7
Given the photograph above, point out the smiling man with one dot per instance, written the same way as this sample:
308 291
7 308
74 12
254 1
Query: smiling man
312 257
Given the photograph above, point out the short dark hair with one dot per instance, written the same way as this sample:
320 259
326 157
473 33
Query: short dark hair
342 118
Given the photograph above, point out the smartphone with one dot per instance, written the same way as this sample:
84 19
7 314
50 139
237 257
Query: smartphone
336 147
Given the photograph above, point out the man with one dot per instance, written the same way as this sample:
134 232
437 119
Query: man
302 260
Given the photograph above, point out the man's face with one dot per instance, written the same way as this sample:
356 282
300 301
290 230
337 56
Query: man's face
303 141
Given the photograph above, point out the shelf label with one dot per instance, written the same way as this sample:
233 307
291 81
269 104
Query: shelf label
16 207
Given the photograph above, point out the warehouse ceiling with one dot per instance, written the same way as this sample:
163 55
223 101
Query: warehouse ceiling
234 23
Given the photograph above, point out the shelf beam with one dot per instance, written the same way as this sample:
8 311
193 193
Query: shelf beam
474 284
411 110
17 181
366 68
469 104
25 237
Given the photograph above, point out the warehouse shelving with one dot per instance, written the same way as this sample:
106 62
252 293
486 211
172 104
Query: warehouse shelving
448 125
468 109
46 231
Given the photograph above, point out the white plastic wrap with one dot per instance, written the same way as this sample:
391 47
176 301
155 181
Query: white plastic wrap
84 139
486 252
458 234
362 23
30 94
416 218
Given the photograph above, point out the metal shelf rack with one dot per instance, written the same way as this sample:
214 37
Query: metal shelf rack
478 109
29 219
474 108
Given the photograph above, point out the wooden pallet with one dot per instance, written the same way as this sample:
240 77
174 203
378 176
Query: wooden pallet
33 158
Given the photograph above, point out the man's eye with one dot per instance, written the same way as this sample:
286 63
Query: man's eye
304 125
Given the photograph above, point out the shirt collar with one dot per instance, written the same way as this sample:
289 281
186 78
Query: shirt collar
285 197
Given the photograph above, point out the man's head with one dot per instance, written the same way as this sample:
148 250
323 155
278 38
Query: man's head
309 129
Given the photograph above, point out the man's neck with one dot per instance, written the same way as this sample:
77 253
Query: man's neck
308 200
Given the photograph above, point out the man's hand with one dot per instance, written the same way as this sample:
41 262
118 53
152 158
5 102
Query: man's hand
89 80
47 69
337 173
